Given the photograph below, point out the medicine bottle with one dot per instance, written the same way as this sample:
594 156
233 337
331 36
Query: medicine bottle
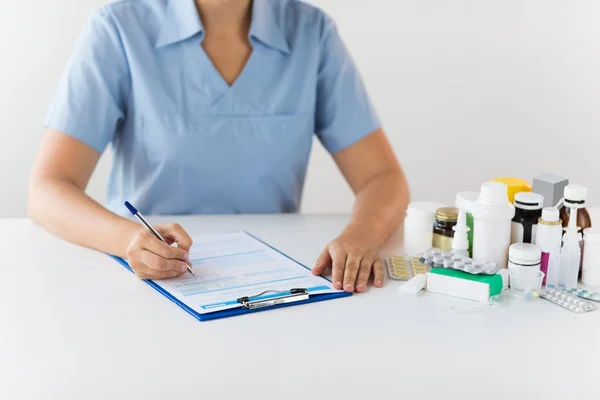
591 257
549 238
418 227
445 220
528 210
583 218
492 215
575 197
465 202
524 255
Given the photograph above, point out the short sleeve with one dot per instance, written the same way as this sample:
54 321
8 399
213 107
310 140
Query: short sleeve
90 100
344 113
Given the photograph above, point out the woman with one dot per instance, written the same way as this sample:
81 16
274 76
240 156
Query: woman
210 107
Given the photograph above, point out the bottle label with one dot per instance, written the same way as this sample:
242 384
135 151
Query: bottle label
442 242
544 265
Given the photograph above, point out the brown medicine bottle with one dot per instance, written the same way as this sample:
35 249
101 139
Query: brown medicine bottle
583 217
445 219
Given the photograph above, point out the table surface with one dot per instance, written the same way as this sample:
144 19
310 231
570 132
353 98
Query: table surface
74 324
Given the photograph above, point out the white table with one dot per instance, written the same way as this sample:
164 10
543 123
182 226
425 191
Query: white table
74 324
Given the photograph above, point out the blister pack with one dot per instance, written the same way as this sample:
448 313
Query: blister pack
435 258
584 294
403 268
567 300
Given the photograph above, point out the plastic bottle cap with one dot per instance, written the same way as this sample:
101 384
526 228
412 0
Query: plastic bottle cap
465 200
550 214
529 201
493 193
525 254
575 193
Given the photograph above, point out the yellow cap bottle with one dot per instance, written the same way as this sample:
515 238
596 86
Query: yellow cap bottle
514 186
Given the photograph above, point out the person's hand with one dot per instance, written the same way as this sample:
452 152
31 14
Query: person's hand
151 258
353 258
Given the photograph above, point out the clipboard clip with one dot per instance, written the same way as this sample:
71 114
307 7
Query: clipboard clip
291 296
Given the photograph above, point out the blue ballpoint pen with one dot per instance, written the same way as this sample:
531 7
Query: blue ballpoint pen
139 216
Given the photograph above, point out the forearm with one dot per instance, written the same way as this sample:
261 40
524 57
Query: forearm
65 210
380 206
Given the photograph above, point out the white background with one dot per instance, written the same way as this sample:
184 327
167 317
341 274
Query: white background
462 87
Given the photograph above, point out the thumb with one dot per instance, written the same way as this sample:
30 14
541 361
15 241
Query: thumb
323 262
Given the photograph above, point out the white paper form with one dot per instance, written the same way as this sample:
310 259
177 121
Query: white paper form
234 265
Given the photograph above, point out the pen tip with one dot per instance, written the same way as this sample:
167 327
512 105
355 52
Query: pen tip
131 208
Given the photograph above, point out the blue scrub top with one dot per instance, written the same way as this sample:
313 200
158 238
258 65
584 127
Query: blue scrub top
186 142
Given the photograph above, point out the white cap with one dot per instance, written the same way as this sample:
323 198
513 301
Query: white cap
550 214
465 200
575 193
493 193
529 201
525 254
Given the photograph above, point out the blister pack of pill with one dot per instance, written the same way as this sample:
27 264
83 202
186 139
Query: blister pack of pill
567 300
403 268
584 294
435 258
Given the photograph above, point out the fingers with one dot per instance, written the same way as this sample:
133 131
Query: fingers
177 234
378 274
150 242
158 263
323 262
338 264
364 273
151 258
351 271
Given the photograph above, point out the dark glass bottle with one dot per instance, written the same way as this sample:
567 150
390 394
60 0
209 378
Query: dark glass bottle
445 220
583 221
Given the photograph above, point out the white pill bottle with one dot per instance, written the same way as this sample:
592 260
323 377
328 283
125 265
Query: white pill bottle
492 219
418 227
591 257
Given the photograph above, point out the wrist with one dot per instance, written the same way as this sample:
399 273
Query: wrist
367 231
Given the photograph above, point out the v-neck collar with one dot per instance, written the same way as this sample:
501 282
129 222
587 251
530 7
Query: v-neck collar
182 21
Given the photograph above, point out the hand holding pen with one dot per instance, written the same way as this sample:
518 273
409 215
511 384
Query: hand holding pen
150 253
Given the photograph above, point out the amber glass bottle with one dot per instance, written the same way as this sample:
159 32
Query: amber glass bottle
583 222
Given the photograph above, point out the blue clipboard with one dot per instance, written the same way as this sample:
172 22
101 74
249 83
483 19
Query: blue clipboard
240 310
